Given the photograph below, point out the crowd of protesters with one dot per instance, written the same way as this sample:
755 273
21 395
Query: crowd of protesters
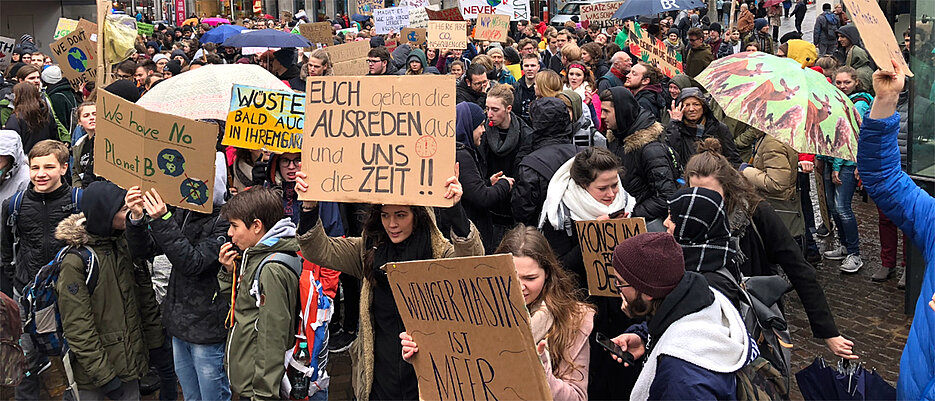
554 125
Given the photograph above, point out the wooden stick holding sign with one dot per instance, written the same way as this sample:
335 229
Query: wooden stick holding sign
379 139
447 34
174 155
876 33
598 238
475 341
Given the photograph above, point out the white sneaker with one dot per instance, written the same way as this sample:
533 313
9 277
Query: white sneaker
835 253
851 264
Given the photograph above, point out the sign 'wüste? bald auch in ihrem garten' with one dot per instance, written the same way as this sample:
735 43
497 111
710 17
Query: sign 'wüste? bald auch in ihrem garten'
470 321
379 139
174 155
265 119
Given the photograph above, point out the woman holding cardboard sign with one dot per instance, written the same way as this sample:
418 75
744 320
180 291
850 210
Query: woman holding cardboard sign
560 321
391 233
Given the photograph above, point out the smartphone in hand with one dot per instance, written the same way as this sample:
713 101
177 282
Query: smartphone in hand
615 349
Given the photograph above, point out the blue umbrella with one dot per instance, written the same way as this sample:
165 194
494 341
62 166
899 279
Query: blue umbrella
632 8
360 17
267 38
221 33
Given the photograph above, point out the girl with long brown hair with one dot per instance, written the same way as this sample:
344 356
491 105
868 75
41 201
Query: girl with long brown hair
754 223
32 117
561 321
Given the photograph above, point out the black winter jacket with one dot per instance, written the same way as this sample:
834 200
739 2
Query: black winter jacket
194 308
38 216
31 137
650 170
552 147
684 140
479 195
523 96
784 252
504 153
652 99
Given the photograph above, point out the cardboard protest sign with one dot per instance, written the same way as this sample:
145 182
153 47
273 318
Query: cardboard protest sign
598 238
77 56
447 34
144 29
64 27
173 155
653 51
390 19
448 14
317 32
391 44
346 31
470 9
492 27
414 36
366 7
470 321
349 59
6 52
600 14
265 119
418 18
89 27
876 33
379 139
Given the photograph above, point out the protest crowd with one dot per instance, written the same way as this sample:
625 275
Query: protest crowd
558 137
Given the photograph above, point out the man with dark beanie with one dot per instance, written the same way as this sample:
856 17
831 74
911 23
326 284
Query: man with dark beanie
695 338
104 326
283 66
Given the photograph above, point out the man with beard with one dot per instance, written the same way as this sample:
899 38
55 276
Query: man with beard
695 337
643 82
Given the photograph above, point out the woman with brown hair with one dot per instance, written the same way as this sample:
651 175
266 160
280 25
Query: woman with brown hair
548 84
754 223
32 116
561 321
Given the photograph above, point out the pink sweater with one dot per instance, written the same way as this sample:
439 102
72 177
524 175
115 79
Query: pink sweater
575 385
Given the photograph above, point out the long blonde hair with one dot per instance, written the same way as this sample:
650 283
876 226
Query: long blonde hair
561 296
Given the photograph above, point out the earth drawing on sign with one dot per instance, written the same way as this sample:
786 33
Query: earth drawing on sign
171 162
77 60
194 191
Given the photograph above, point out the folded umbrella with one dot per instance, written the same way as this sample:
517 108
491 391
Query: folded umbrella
846 381
633 8
267 38
221 33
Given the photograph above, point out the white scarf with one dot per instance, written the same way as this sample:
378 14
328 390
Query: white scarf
566 201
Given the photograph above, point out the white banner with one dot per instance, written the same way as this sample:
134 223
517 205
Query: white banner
470 8
520 10
390 19
6 51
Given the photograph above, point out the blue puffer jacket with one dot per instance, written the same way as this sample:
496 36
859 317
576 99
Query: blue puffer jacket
911 209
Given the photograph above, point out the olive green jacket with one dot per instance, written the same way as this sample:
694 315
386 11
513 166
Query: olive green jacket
105 330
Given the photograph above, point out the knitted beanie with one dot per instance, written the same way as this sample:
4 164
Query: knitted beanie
652 263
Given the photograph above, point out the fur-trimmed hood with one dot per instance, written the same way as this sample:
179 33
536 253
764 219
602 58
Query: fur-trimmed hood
73 230
643 137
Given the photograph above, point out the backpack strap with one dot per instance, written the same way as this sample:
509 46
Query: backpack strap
292 261
91 266
13 208
76 194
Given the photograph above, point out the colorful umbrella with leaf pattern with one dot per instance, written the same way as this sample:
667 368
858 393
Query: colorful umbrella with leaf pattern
776 95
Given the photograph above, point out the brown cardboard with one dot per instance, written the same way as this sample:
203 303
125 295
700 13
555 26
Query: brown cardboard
318 32
379 139
877 36
134 146
447 35
471 324
492 27
349 51
77 56
414 36
598 238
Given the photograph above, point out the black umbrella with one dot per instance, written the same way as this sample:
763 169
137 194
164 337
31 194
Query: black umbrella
633 8
360 17
846 381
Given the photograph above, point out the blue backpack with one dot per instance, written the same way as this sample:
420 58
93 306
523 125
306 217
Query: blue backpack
40 301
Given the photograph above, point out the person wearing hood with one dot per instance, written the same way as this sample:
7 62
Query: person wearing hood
697 54
552 146
483 192
696 339
824 35
284 67
761 36
643 82
639 141
585 133
851 54
473 87
264 326
180 56
104 328
391 233
14 167
59 94
698 221
417 64
691 121
799 50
